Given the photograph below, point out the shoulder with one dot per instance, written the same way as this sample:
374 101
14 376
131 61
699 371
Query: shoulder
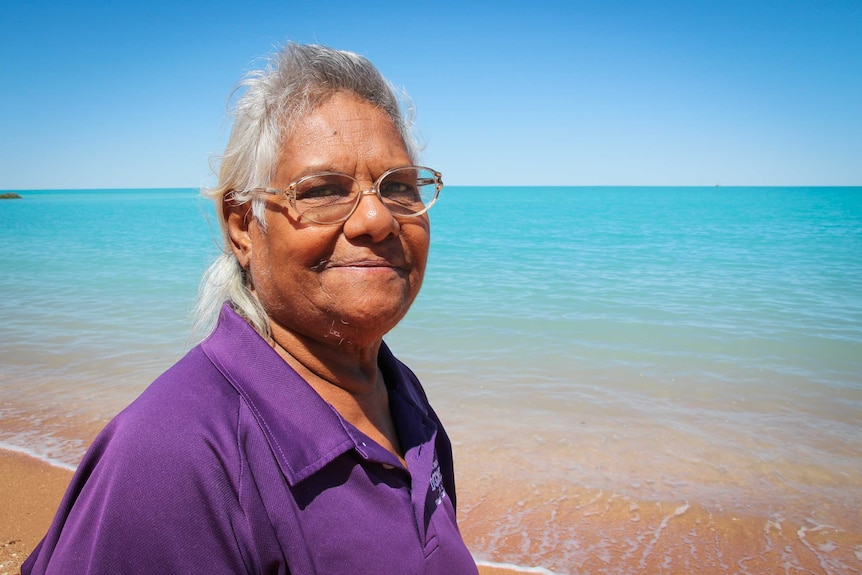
189 405
181 428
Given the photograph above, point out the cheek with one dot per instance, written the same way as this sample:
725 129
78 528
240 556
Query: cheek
418 241
259 270
268 260
284 257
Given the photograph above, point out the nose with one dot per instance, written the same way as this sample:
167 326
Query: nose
371 218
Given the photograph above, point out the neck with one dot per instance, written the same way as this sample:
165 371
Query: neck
340 364
351 383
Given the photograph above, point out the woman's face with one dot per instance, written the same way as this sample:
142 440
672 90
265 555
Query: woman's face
349 282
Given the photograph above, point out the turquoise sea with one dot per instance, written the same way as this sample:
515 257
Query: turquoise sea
637 380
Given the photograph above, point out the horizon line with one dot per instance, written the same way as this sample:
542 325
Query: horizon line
133 188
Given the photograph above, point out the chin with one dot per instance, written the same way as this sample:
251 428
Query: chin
369 322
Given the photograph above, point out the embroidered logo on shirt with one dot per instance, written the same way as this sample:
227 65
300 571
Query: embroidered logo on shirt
437 488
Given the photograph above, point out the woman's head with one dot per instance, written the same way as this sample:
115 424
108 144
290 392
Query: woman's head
273 104
296 80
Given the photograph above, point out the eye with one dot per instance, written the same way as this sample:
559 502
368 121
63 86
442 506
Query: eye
399 190
323 188
325 191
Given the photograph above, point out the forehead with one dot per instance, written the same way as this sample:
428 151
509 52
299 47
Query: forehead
343 133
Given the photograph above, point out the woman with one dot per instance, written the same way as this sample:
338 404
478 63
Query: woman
290 440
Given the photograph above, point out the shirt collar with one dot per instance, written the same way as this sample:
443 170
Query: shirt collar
304 432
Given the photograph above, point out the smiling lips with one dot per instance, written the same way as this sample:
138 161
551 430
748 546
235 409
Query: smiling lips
361 263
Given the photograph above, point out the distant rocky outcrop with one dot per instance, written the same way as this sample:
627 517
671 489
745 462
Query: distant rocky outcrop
9 196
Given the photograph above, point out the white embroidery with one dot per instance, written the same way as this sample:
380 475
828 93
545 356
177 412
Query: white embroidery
437 483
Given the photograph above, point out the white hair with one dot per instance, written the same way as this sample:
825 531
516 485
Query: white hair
295 81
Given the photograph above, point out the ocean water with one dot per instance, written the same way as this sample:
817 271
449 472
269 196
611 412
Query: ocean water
637 380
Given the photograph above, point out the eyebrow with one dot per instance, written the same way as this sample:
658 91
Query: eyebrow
327 168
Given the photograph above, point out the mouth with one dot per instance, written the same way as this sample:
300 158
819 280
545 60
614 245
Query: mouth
360 264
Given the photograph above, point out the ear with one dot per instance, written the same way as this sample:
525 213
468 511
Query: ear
238 219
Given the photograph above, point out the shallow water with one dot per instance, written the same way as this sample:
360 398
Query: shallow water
636 379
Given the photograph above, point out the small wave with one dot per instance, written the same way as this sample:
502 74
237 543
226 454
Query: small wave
30 453
516 568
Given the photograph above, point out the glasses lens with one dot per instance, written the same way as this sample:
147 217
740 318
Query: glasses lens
408 191
325 198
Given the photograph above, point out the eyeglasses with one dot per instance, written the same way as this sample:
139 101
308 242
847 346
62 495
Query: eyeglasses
332 197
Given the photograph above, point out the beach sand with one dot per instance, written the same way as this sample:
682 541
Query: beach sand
30 491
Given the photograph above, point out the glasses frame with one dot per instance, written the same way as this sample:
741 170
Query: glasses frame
290 193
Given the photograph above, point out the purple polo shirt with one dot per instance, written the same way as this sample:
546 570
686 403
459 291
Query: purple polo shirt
231 463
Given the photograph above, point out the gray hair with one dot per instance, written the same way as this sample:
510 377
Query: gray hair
294 82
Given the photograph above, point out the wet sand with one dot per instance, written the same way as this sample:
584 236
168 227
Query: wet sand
577 530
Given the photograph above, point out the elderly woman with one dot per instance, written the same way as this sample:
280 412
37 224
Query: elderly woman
290 440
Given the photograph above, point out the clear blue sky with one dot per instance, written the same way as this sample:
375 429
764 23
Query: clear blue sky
116 94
